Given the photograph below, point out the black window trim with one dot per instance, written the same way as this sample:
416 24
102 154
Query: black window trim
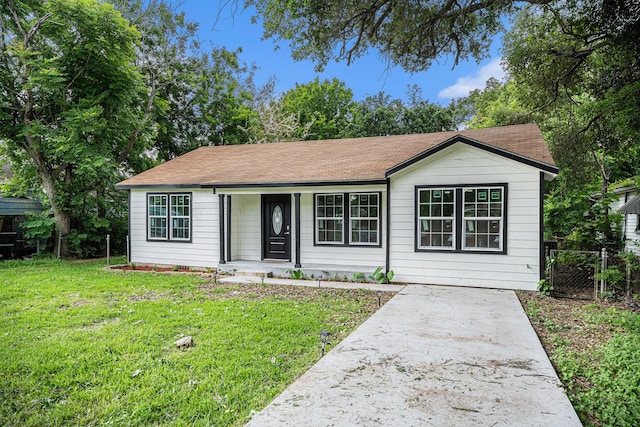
346 220
169 228
458 219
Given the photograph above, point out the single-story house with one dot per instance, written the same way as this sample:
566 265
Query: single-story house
628 205
451 208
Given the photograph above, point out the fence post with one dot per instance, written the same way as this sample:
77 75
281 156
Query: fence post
603 280
108 249
59 243
628 268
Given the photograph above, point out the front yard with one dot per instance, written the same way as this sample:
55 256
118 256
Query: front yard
84 346
595 348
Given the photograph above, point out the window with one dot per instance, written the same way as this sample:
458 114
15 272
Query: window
465 218
483 218
157 216
364 218
180 216
436 217
329 218
169 217
357 223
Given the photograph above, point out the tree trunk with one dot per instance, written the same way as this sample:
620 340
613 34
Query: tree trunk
61 215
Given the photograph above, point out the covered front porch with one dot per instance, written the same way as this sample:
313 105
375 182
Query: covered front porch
274 232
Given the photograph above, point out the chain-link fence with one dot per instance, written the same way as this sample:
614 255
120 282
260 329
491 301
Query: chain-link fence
621 274
574 274
589 274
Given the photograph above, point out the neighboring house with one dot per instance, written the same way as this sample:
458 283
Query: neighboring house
450 208
14 211
628 205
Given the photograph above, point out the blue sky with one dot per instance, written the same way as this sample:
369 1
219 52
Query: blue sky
366 76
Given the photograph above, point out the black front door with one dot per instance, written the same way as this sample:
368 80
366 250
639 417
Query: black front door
276 227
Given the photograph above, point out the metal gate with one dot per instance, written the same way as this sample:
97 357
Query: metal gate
574 274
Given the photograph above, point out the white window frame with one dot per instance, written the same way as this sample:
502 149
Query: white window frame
471 222
339 218
151 219
346 220
463 215
175 218
355 197
431 217
167 214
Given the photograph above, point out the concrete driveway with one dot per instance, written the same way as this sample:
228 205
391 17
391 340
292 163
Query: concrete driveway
432 356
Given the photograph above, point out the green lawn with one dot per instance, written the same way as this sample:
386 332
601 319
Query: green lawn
84 346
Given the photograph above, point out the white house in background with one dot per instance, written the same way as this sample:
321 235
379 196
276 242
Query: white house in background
450 208
628 205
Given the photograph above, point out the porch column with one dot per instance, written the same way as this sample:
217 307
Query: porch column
296 201
228 235
221 223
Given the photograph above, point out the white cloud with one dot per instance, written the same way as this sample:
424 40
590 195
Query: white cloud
464 85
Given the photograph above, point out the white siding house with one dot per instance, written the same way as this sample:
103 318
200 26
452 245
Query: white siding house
628 205
450 208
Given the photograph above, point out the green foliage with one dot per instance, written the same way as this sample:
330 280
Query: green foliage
81 99
39 227
497 105
582 223
614 395
408 34
320 107
91 347
379 276
296 274
381 115
545 287
358 277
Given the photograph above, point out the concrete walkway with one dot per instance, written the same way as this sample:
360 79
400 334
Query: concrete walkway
432 356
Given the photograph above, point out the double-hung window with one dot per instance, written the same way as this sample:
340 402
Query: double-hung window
436 209
347 219
169 216
329 218
461 218
483 218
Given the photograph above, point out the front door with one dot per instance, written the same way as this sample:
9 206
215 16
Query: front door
276 227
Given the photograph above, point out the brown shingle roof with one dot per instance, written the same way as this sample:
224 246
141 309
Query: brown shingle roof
354 159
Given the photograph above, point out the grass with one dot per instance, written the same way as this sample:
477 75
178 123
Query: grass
595 348
84 346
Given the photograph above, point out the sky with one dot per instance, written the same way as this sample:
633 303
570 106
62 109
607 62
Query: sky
223 27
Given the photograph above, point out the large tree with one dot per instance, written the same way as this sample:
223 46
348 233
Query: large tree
381 115
578 69
321 108
408 33
70 97
195 97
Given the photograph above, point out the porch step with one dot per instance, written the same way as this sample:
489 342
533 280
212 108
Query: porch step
254 273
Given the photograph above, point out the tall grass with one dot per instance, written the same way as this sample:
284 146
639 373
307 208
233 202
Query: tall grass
84 346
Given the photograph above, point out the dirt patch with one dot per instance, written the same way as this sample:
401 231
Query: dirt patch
155 268
565 321
250 291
